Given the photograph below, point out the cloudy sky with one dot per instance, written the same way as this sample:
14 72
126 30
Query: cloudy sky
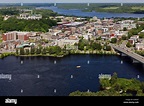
71 1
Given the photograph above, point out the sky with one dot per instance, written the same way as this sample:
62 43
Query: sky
72 1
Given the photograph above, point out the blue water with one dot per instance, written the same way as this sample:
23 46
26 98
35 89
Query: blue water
77 12
58 76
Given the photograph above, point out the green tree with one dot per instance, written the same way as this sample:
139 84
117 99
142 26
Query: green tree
104 83
32 51
82 43
38 51
124 29
124 37
128 44
117 87
141 35
99 38
81 46
54 50
113 40
27 51
64 49
22 51
57 49
2 55
108 48
44 51
142 86
17 51
113 78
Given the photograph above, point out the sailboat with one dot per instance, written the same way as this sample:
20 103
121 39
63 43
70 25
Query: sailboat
21 62
38 76
138 76
55 62
88 90
88 62
71 76
21 90
54 90
121 62
78 66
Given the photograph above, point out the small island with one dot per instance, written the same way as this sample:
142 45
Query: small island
115 87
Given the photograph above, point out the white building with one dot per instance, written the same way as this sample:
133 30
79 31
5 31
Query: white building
68 42
28 16
139 46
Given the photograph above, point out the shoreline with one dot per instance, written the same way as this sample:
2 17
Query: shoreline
54 55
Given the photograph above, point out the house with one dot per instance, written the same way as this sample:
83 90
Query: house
66 41
131 41
139 46
135 37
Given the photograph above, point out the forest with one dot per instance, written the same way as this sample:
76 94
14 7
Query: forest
137 8
14 24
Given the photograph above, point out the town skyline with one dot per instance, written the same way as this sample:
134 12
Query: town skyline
71 1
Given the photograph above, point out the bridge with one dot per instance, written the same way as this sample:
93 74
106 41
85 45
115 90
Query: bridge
129 53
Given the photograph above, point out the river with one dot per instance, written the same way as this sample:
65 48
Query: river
77 12
50 76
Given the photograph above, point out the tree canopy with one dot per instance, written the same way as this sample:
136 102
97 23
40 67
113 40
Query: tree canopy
13 24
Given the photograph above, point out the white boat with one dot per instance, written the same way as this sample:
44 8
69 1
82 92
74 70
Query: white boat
54 90
21 90
71 76
78 66
138 76
88 62
38 76
121 62
88 90
55 62
21 62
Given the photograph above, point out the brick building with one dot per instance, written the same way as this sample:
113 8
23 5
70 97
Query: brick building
15 35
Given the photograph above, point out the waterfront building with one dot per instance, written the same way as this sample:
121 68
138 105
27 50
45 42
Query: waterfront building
16 35
66 41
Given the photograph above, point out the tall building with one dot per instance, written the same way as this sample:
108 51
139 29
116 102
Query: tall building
15 35
121 4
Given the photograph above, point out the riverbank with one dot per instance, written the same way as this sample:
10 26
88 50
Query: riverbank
109 7
3 55
102 52
80 13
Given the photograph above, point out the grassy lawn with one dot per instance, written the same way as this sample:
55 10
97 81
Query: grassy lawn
111 8
141 8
